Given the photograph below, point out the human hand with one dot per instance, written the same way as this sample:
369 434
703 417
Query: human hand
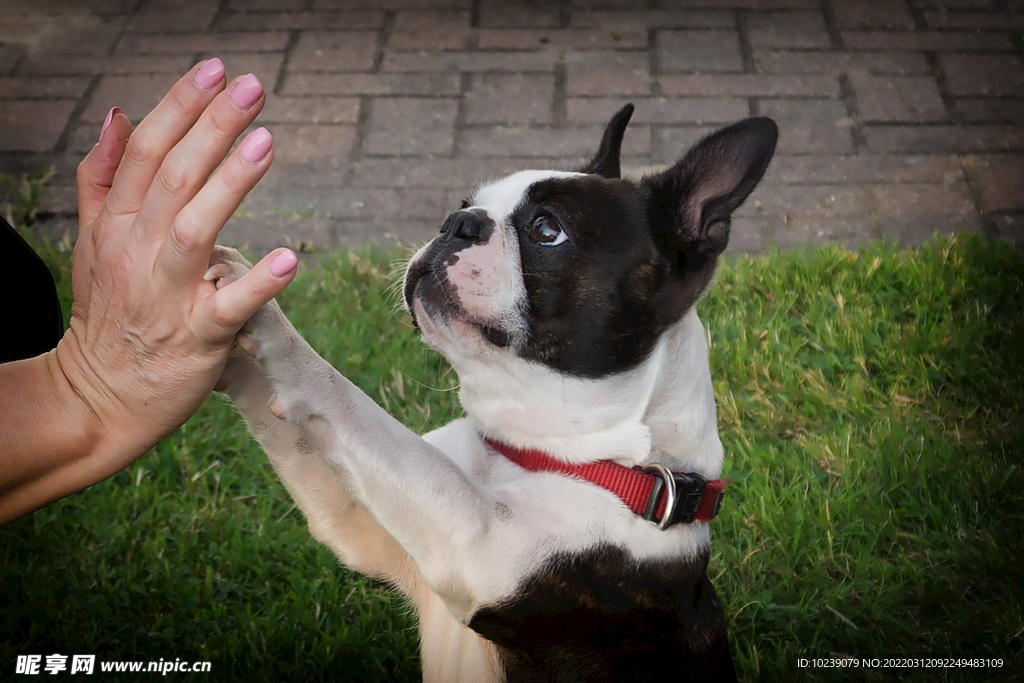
149 336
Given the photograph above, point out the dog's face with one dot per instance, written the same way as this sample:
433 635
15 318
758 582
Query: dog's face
582 272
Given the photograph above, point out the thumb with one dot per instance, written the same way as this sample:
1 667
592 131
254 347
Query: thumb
96 172
235 303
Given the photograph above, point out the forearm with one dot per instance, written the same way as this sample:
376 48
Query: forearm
51 443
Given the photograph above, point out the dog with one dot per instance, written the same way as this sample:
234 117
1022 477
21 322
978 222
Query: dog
565 302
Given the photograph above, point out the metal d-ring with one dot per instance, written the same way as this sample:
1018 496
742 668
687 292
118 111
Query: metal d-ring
670 495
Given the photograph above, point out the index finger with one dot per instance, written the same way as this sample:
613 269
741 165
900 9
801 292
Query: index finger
167 124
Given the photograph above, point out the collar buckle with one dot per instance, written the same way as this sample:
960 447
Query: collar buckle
684 499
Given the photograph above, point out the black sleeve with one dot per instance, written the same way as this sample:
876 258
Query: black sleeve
34 322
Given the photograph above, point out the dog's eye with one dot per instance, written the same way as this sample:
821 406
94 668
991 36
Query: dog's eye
546 232
464 204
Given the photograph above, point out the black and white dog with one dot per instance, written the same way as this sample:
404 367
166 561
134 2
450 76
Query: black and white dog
531 543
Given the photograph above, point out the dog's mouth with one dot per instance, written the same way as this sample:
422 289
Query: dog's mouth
439 300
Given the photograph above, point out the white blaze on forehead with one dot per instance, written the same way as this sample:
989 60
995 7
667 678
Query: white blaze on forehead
501 197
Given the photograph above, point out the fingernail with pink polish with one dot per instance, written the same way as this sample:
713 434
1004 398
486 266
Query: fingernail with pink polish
209 75
246 92
284 263
106 121
255 147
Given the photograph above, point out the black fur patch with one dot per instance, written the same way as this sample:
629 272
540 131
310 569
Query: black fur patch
601 616
592 300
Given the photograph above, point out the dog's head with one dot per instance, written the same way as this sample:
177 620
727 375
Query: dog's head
582 272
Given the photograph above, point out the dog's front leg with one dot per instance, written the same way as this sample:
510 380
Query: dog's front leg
342 456
334 517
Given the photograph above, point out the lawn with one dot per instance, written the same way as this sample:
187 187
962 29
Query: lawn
870 404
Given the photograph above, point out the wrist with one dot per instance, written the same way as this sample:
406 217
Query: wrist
94 405
49 437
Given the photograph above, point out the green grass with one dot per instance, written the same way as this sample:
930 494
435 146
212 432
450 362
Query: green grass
871 409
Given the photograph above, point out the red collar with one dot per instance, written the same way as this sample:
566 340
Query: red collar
695 497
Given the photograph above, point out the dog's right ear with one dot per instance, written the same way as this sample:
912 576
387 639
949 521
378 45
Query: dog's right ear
606 161
690 204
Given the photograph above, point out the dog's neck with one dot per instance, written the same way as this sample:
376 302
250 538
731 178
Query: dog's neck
662 411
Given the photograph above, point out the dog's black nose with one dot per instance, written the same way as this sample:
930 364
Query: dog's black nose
471 226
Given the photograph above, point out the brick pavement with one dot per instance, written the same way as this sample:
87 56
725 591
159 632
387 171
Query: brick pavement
898 118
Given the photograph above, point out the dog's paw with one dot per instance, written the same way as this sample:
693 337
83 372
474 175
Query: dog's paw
226 266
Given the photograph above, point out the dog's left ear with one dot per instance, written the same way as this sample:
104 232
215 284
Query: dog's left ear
690 204
606 161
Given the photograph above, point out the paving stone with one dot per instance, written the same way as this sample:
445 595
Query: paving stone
788 30
939 41
431 31
528 14
263 21
810 126
261 235
136 95
954 4
397 5
327 145
325 110
78 39
803 231
16 87
283 206
660 110
700 51
831 62
865 168
998 180
21 162
482 61
58 229
749 85
898 98
83 137
58 199
988 109
334 51
431 20
10 56
520 141
578 39
872 14
826 201
510 98
51 65
984 74
911 214
748 235
405 125
671 143
190 43
33 126
602 4
459 174
267 5
939 139
989 20
743 4
613 19
372 84
386 232
607 73
1010 228
186 19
